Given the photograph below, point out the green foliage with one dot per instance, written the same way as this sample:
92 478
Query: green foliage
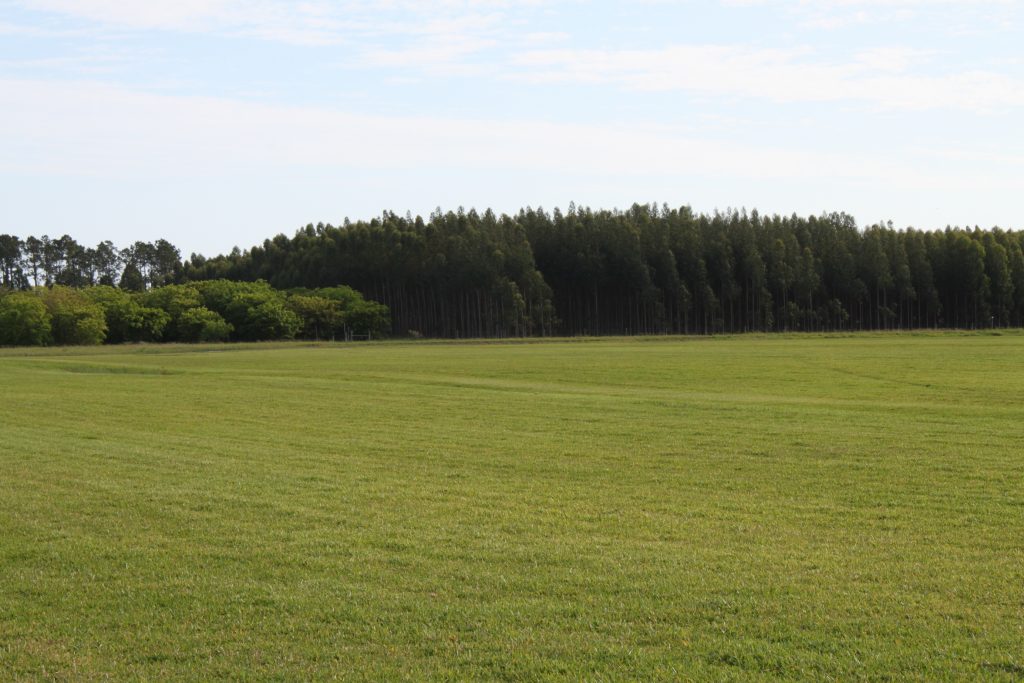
217 310
267 319
175 301
367 318
222 295
647 270
358 315
24 320
451 277
321 317
131 279
200 324
127 320
74 319
345 296
47 261
11 274
255 310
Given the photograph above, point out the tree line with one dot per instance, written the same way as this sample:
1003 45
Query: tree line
209 311
46 261
650 269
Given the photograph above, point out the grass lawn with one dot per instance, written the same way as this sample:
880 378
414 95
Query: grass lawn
743 508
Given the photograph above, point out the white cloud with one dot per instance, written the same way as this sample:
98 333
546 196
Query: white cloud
888 4
891 59
96 130
879 77
487 38
180 14
303 22
13 29
441 46
836 14
545 37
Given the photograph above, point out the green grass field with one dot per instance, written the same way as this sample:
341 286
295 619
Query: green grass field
742 508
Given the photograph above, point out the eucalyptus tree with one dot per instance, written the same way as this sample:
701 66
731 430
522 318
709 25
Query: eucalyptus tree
10 262
647 269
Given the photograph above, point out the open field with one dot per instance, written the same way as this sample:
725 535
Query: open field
713 509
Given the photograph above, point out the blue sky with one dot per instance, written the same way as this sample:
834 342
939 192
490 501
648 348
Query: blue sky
216 123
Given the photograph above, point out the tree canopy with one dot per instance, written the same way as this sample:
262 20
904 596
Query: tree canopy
650 269
208 311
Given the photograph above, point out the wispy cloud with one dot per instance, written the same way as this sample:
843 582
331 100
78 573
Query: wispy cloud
474 38
304 22
903 108
836 14
300 22
442 46
882 78
116 132
8 28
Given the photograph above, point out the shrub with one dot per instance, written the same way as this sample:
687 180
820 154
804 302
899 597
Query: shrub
270 320
175 301
321 317
255 310
24 320
202 325
127 319
74 319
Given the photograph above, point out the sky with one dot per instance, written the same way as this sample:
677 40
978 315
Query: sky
220 123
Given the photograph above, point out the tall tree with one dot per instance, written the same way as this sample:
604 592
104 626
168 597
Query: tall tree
10 261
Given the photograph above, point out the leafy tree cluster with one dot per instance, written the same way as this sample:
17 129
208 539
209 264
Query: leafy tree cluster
54 315
36 262
650 269
456 275
207 311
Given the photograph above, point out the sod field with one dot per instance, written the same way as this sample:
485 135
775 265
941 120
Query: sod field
738 508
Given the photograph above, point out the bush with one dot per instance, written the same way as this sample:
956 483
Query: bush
175 301
202 325
368 317
358 314
74 319
209 311
172 299
127 319
321 317
270 320
24 320
255 310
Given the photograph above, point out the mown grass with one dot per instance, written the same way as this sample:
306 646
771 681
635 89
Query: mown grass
744 508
